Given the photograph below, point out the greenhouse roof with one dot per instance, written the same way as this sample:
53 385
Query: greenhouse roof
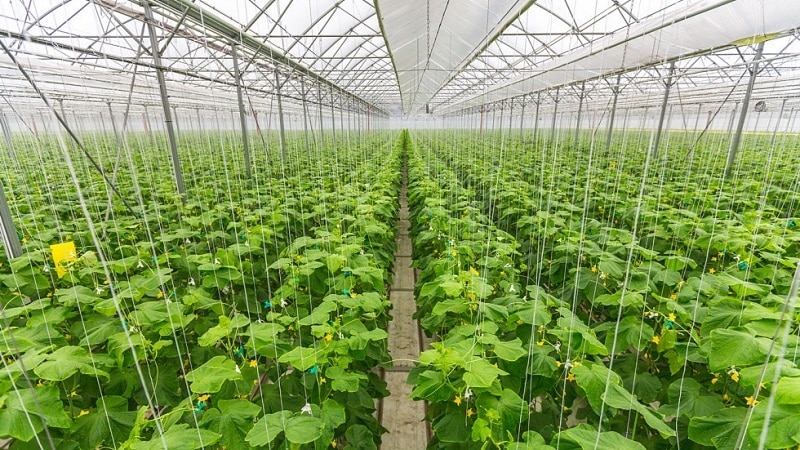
396 58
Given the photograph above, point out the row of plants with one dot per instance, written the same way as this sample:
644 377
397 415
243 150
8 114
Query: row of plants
249 314
678 278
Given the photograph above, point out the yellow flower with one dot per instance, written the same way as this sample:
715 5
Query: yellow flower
328 337
203 398
83 412
457 401
594 269
353 295
470 412
73 394
711 271
570 377
735 377
726 397
576 363
671 317
656 340
558 363
715 379
713 258
253 363
334 444
160 295
322 380
673 297
473 271
540 343
751 401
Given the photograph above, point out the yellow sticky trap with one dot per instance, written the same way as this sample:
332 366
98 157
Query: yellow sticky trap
63 252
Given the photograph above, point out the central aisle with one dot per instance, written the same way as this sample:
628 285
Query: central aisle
402 416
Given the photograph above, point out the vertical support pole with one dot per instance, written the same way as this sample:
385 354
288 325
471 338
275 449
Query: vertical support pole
733 116
555 115
481 122
162 85
333 119
243 122
777 124
321 123
7 135
119 141
9 231
743 115
536 116
697 120
305 115
522 118
175 121
281 126
615 92
667 87
580 110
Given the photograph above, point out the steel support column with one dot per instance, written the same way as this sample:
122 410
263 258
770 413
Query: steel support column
555 115
9 231
615 91
162 84
7 135
743 115
243 122
281 126
663 114
580 110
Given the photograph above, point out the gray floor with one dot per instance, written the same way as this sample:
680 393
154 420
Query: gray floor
402 416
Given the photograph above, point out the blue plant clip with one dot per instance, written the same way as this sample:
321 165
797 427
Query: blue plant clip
201 405
743 265
313 370
267 304
669 324
239 351
347 273
346 292
124 325
791 224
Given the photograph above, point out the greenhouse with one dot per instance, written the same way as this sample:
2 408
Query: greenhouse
385 224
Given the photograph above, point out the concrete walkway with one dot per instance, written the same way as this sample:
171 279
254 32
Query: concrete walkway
402 416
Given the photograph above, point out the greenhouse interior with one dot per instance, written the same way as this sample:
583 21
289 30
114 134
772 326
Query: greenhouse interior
417 224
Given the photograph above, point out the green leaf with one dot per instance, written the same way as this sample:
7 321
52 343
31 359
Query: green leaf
268 428
481 374
93 428
303 429
618 397
509 350
359 438
234 420
343 380
65 362
20 412
719 430
734 348
592 379
788 392
452 428
179 437
301 358
585 437
210 377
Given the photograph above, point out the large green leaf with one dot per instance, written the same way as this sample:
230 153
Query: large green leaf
268 428
731 347
586 437
179 437
232 419
65 362
210 377
301 358
25 409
